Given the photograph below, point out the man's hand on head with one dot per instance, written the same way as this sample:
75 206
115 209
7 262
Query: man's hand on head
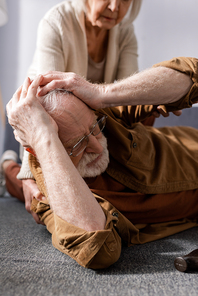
27 116
30 191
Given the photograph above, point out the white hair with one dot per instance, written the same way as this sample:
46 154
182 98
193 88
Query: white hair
80 5
57 103
53 104
52 100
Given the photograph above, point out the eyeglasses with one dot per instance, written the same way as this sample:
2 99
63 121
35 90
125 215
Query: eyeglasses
82 144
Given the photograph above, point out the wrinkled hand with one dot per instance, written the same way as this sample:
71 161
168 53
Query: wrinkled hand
27 116
30 191
90 94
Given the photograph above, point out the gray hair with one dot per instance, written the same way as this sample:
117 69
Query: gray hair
57 103
52 101
80 5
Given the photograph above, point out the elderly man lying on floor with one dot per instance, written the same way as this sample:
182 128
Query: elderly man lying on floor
106 179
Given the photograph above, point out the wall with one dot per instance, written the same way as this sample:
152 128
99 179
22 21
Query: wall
164 28
17 45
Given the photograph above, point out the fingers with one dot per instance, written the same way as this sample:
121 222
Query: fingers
39 196
14 99
55 84
162 112
27 91
54 80
21 92
54 75
28 205
156 114
28 88
165 114
178 112
25 88
17 95
36 218
33 88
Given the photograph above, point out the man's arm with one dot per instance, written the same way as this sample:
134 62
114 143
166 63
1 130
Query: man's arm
155 86
69 196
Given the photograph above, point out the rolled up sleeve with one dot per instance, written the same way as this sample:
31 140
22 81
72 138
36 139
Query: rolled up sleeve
95 249
188 66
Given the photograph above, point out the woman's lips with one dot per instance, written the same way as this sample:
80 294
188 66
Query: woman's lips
109 18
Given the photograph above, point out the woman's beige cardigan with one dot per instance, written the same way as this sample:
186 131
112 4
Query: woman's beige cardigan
62 46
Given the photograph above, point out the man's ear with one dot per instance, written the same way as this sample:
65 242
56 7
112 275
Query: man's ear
30 150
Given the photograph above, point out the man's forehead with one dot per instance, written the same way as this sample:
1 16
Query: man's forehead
75 122
80 130
72 116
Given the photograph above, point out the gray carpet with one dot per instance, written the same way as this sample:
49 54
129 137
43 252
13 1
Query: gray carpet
30 265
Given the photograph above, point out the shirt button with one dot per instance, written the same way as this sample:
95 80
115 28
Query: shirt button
134 145
115 214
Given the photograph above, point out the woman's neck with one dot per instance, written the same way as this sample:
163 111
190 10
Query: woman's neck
97 41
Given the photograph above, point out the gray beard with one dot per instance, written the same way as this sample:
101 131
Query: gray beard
99 167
